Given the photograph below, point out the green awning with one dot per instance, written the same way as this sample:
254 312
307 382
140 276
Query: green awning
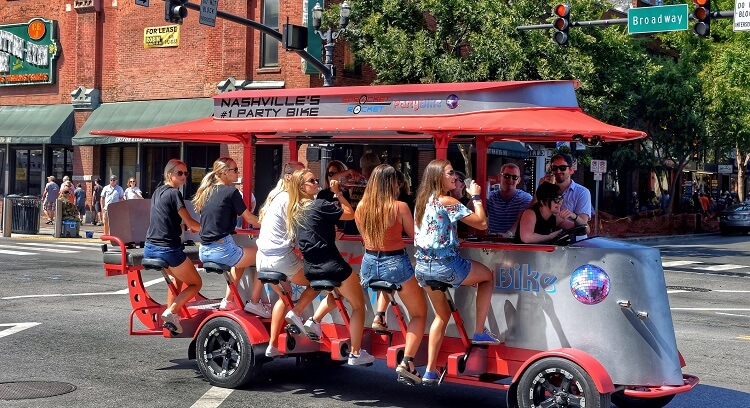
37 124
515 150
140 115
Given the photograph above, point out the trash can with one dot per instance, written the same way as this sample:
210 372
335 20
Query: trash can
25 214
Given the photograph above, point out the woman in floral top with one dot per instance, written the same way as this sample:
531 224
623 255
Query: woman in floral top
436 216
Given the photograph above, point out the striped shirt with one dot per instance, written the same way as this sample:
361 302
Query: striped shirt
503 214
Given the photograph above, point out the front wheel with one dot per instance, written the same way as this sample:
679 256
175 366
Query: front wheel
556 382
623 401
224 354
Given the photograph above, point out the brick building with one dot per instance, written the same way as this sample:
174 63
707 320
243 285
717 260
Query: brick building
98 73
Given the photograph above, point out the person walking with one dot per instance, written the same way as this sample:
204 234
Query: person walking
97 193
111 194
49 197
80 200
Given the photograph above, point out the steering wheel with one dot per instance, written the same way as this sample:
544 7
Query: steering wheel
563 237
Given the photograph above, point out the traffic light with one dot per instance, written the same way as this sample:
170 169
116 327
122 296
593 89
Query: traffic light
561 23
175 11
702 14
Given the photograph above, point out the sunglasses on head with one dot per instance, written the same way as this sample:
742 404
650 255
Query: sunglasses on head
508 176
562 167
312 181
234 169
181 173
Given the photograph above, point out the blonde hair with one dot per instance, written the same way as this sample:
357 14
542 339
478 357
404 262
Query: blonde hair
298 204
432 185
169 169
210 181
375 209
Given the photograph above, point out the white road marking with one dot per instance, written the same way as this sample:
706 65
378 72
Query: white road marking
72 246
677 291
708 309
117 292
57 251
731 291
213 397
731 314
723 267
677 263
15 328
6 252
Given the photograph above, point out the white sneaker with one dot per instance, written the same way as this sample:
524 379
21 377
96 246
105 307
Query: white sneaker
363 358
272 351
257 309
171 322
313 328
295 320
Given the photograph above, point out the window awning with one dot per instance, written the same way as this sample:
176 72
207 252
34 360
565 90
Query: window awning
515 150
139 115
37 124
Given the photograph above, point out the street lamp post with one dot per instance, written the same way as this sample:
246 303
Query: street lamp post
330 36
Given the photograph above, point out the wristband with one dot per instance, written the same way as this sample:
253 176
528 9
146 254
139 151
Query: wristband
576 218
477 202
476 197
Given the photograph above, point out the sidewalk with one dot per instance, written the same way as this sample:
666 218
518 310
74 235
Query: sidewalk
47 232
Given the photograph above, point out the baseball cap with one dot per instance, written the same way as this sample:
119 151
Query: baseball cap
50 178
112 177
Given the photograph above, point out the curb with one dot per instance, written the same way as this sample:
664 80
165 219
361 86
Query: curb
657 239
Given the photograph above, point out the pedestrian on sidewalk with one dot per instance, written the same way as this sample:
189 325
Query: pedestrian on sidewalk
132 192
49 196
80 196
97 193
110 194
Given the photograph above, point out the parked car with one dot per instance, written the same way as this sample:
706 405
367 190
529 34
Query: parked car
736 218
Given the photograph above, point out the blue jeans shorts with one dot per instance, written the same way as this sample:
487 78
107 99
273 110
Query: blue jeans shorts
394 269
450 270
173 256
223 251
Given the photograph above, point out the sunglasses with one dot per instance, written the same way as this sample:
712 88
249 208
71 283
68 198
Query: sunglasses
508 176
131 181
312 181
557 199
181 173
332 173
234 169
450 172
561 167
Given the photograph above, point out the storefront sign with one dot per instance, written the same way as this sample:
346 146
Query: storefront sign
161 37
28 53
726 169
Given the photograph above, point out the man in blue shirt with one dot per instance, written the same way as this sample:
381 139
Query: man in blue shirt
505 206
576 197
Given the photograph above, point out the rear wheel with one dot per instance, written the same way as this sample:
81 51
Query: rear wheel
556 382
224 354
623 401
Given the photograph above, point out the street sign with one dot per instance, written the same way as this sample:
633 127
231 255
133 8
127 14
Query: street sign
598 166
657 19
741 16
208 12
597 176
726 169
143 3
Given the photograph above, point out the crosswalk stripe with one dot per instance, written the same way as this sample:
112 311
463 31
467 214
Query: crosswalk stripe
58 251
6 252
724 267
677 263
72 246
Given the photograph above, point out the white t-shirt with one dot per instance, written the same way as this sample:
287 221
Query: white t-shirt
273 239
111 195
133 192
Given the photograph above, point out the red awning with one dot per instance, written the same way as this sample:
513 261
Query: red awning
522 124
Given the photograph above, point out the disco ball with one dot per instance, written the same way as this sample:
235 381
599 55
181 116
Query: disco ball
589 284
452 101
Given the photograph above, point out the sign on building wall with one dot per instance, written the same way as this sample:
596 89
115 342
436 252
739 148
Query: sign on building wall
28 53
161 37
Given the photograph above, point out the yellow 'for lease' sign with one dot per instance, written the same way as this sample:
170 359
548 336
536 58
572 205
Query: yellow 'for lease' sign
161 37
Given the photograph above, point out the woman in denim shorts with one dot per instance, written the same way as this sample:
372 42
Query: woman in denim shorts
219 203
382 219
436 216
164 240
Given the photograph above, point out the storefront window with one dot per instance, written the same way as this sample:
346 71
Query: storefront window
2 171
152 168
200 160
269 47
27 165
119 161
62 162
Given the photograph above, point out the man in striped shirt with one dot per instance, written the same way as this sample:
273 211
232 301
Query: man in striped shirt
504 207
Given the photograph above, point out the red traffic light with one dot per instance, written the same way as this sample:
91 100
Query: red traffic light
563 10
700 3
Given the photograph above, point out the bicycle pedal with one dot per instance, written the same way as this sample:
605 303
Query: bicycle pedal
292 329
313 337
405 380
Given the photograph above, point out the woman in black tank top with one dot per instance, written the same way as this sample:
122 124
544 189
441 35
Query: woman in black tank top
540 222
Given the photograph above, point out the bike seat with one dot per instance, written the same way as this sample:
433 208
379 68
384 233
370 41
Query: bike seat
213 267
328 285
154 263
383 286
438 285
271 277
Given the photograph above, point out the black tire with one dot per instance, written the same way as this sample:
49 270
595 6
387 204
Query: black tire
556 382
623 401
224 354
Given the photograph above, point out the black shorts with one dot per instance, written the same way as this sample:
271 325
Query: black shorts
333 269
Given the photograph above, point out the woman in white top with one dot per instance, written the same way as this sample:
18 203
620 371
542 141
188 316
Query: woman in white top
132 192
276 254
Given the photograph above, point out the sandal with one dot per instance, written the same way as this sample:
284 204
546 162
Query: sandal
379 324
405 376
